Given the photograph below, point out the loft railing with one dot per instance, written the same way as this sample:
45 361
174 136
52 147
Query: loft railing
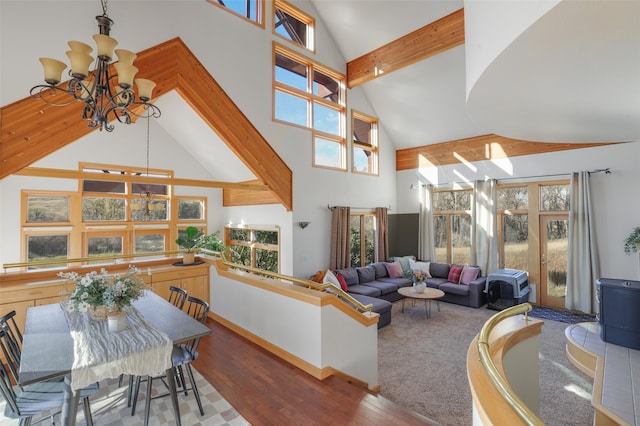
296 281
497 380
67 261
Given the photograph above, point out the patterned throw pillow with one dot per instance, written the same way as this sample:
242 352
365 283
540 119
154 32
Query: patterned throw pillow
454 274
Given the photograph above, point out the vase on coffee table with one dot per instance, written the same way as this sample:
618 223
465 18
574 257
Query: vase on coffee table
419 286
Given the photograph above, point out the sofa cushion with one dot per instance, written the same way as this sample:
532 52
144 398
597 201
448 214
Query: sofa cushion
366 274
454 274
380 306
462 290
342 281
394 269
385 287
350 275
330 277
365 290
435 282
381 270
439 270
469 273
404 261
420 266
398 282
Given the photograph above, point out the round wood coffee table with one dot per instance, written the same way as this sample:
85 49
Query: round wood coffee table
427 295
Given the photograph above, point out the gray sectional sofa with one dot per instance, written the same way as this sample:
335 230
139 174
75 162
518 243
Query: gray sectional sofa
372 284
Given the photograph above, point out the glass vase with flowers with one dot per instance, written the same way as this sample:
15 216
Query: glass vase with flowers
102 293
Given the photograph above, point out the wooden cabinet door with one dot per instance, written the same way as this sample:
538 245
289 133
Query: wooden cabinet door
197 287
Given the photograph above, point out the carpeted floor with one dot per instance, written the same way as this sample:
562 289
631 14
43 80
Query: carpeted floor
422 366
109 407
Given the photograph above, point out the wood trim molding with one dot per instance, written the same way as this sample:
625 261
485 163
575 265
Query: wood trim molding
478 148
31 129
434 38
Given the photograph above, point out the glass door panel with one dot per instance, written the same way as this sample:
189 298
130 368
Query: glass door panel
554 243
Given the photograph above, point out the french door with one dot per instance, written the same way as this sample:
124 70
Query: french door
554 242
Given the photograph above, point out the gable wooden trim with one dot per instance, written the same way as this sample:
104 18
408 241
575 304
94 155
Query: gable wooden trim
479 148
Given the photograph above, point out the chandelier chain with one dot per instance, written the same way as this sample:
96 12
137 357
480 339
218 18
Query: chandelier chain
104 7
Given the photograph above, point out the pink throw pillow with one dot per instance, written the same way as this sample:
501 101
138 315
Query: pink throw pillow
454 274
469 273
394 269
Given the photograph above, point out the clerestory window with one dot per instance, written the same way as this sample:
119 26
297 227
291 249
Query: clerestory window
309 95
293 25
364 142
251 10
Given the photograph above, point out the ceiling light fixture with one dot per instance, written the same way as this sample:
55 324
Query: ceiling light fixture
105 99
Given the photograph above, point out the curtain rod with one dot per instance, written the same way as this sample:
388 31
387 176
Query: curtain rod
606 171
356 208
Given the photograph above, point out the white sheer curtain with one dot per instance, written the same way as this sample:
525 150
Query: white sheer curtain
583 267
426 242
484 233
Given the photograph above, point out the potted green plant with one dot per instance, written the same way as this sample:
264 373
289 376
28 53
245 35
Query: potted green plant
632 242
190 241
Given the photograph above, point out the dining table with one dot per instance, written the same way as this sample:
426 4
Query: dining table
52 345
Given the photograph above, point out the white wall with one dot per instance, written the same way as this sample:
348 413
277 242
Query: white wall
239 56
616 197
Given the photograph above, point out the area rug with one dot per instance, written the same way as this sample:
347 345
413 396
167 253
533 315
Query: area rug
422 366
109 407
560 315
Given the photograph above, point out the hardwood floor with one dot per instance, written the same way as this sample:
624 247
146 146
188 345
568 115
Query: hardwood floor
268 391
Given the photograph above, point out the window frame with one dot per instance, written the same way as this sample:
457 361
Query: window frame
252 245
78 232
301 16
311 100
259 11
363 215
448 215
373 147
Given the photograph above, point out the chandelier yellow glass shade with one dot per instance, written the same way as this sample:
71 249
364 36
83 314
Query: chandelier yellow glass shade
126 73
79 63
125 56
145 88
52 70
105 45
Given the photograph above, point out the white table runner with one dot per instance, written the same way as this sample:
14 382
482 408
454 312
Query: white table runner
140 349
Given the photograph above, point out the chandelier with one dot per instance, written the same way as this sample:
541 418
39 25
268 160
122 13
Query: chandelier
105 99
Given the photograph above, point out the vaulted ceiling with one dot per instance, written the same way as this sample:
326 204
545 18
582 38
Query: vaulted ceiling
47 128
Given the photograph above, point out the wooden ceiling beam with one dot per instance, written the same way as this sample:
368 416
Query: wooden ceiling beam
254 186
434 38
479 148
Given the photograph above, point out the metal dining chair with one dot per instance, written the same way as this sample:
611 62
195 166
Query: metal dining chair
177 296
183 355
36 398
24 402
